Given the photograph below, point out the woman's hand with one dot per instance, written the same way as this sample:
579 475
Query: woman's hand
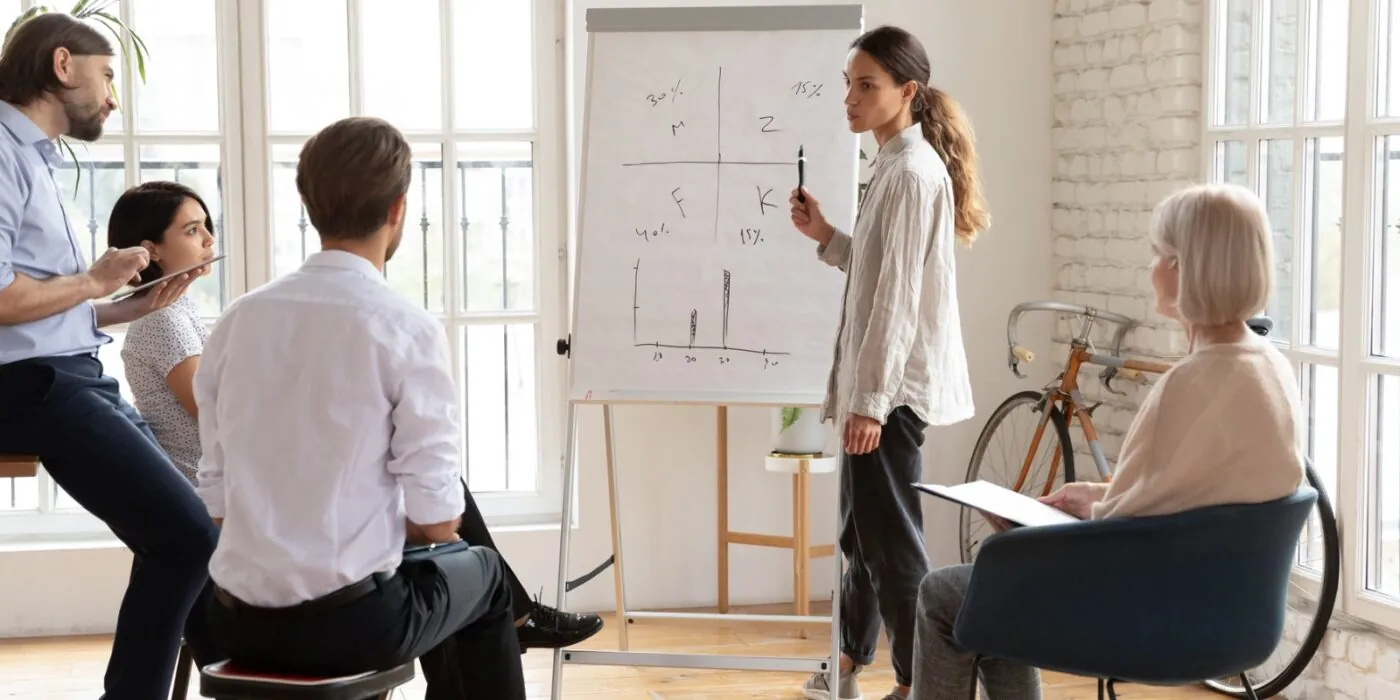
1076 498
807 217
862 435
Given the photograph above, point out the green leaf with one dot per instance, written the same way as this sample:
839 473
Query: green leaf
77 166
790 415
138 45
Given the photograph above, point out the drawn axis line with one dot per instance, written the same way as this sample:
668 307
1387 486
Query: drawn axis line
708 162
710 347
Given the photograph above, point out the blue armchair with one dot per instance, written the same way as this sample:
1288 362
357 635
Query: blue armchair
1161 600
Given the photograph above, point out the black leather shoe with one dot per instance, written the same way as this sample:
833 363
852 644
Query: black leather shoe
547 628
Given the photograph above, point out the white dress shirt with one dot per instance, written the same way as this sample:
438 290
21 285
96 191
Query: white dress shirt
328 414
900 341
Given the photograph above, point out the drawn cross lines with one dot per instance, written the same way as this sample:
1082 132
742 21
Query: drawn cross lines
719 162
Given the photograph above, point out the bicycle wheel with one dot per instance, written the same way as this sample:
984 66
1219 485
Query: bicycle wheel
1001 457
1310 606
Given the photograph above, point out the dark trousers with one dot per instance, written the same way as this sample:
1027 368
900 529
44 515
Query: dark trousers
473 531
99 450
452 612
882 537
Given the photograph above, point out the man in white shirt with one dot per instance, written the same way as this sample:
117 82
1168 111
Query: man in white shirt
328 419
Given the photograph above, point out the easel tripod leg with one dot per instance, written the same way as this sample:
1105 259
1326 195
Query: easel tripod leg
565 520
833 677
722 506
614 499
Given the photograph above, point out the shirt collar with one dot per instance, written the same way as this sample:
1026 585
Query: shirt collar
28 133
341 260
900 142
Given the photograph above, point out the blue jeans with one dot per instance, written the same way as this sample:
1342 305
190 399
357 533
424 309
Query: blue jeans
100 451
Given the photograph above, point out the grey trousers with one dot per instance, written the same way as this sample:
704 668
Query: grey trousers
882 538
943 671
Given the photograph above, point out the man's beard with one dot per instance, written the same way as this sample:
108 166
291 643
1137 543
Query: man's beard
394 244
85 121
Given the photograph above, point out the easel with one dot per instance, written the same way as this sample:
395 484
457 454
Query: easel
605 382
625 657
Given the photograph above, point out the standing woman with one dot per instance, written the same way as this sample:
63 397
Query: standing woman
899 364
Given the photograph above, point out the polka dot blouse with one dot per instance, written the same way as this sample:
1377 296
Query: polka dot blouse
154 345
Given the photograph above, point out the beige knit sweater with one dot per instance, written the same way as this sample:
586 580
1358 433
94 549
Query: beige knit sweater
1223 426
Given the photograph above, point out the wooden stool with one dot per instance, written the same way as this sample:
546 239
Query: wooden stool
803 552
18 466
224 682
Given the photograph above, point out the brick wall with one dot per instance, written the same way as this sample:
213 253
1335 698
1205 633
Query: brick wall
1126 133
1128 121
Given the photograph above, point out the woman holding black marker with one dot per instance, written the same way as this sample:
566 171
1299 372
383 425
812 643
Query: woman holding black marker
899 363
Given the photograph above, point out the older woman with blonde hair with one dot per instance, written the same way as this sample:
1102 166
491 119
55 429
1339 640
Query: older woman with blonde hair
1221 427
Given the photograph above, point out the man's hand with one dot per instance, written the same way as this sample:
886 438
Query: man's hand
117 268
437 533
862 435
153 299
1076 498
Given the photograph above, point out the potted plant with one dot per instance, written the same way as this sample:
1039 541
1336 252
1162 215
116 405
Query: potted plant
798 431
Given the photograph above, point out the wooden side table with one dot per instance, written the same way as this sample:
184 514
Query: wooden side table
18 466
803 551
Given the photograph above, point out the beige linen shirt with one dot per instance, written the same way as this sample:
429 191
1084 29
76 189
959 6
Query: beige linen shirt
900 339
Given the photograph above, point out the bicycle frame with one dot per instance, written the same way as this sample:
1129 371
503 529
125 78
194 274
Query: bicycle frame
1064 393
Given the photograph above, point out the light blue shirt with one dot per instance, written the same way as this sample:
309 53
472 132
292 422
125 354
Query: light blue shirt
37 241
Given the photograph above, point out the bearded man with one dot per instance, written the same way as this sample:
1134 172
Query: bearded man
55 400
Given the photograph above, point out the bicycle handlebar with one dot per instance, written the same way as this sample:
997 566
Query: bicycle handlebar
1017 354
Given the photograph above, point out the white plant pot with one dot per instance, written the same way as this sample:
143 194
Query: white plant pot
806 436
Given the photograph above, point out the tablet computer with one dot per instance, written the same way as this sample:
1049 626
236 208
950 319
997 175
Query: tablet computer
119 295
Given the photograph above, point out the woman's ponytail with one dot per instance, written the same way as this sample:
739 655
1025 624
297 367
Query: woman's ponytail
948 130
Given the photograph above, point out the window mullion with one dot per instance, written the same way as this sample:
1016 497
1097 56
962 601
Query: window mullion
1353 475
352 44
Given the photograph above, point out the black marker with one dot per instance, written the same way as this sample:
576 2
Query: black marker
801 175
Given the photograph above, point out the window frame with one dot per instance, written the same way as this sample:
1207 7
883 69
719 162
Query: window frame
543 505
1359 129
245 140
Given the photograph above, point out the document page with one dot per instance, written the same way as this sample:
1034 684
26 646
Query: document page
1000 501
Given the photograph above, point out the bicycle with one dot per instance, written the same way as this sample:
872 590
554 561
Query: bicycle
1061 402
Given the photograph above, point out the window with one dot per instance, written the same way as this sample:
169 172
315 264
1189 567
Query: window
1304 106
469 92
474 91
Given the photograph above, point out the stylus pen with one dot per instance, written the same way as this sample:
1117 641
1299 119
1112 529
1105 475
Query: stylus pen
801 175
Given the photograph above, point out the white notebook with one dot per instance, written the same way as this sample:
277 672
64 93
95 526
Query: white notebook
1000 501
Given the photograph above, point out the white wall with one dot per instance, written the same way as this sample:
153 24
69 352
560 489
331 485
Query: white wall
997 62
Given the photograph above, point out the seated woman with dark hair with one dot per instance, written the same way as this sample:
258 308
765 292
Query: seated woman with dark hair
162 350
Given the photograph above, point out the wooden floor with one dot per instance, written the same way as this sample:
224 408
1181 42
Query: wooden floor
70 668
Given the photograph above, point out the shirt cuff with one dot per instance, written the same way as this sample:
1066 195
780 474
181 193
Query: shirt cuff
875 406
7 275
426 504
213 497
836 250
